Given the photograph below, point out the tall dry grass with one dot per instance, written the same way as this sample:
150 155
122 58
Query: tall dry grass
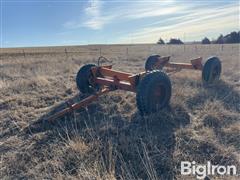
109 139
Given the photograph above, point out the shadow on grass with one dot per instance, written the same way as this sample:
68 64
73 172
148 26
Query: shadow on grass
229 97
221 91
142 144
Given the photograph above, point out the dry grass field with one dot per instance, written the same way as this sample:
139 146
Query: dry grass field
109 139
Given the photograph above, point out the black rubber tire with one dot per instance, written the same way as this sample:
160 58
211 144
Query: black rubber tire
147 100
150 62
211 71
83 79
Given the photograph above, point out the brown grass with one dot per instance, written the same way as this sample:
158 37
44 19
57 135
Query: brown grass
109 139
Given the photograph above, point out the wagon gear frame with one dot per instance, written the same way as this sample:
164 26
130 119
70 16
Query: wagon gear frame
152 87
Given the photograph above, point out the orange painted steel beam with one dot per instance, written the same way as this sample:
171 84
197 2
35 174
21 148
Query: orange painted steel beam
162 61
107 66
78 105
135 78
123 85
122 76
195 64
179 65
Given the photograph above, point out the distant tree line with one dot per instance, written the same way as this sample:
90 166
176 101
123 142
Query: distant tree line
171 41
233 37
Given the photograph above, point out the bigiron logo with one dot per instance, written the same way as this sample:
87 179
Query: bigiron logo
201 171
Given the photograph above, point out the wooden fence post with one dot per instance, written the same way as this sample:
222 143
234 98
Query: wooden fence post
66 53
24 54
100 51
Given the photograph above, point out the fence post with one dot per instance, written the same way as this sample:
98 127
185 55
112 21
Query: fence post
24 54
66 53
100 51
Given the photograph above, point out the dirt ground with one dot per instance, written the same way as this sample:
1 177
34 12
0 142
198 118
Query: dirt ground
109 139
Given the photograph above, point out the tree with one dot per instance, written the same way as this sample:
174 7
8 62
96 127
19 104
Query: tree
220 39
160 41
175 41
206 41
233 37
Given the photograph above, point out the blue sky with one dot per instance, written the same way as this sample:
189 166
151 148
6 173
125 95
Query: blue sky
74 22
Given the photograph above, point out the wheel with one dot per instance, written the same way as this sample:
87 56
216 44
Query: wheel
84 80
153 92
211 70
150 62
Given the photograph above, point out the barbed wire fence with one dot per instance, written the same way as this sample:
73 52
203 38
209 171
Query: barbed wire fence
128 51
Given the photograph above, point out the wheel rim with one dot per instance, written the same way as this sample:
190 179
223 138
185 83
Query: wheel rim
215 73
90 80
158 97
91 84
